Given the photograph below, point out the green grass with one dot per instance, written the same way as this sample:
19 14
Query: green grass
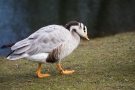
100 64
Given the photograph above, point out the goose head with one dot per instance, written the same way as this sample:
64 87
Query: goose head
78 27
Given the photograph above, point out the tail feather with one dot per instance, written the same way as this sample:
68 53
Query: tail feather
13 56
7 46
10 53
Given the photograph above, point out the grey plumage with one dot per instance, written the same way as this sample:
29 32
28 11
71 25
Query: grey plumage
42 41
49 44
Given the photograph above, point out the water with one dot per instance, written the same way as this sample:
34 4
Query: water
12 23
20 18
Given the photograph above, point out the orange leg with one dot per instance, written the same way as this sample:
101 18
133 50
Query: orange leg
64 72
39 74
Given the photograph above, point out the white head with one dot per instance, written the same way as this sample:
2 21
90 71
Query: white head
79 28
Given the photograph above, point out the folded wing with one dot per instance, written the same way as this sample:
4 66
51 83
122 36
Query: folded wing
42 41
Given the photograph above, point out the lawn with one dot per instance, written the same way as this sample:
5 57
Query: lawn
106 63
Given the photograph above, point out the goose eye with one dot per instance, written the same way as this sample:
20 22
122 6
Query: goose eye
84 28
74 30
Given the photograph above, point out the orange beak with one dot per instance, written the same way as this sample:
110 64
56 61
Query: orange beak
86 37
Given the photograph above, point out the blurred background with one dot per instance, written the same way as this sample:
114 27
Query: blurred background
20 18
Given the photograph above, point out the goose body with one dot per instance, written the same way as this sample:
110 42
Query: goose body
47 40
49 44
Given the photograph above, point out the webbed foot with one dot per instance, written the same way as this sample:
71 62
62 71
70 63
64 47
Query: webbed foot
66 72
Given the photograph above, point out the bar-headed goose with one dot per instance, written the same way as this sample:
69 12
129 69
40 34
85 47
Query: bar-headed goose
49 45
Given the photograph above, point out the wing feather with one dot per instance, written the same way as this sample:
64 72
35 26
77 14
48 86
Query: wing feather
22 49
42 41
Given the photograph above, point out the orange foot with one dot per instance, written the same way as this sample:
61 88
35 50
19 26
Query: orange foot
39 74
66 72
42 75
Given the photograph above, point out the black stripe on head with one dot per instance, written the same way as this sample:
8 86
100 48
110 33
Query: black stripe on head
71 23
